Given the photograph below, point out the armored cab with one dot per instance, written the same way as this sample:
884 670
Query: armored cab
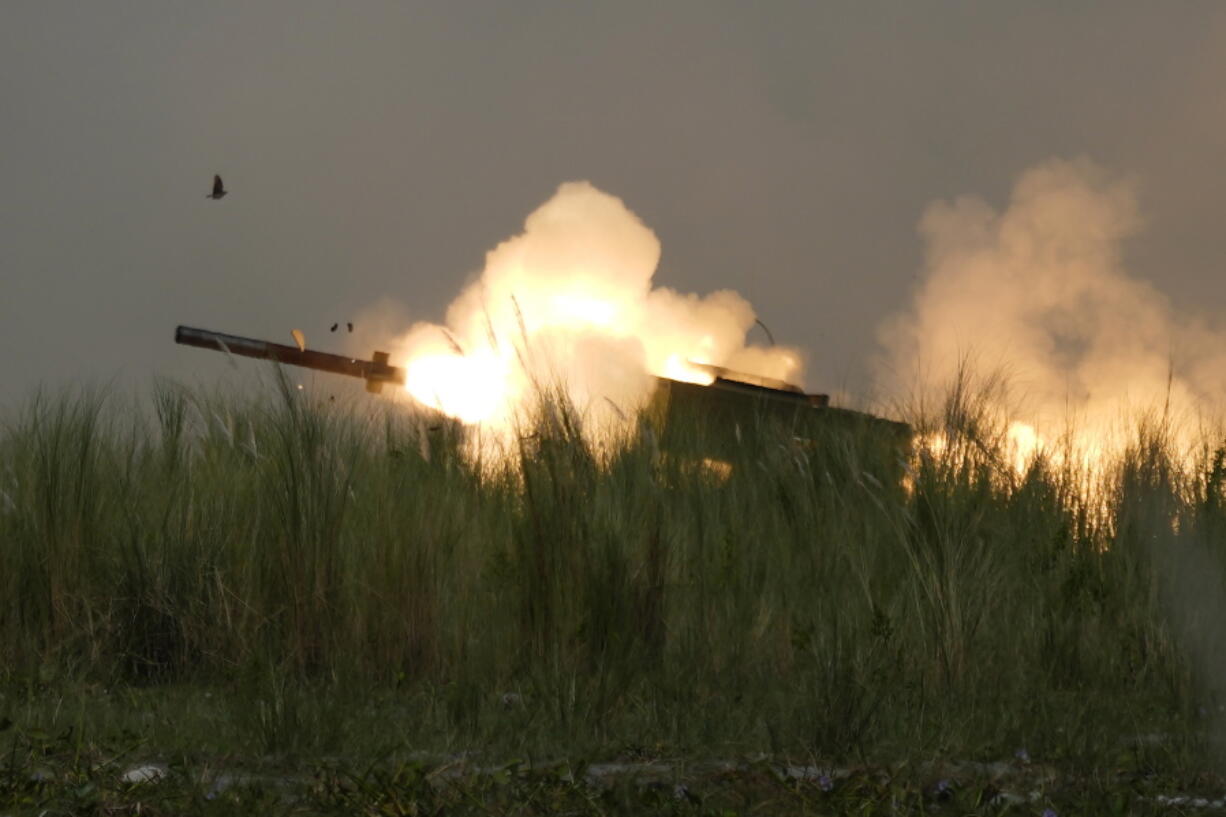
731 418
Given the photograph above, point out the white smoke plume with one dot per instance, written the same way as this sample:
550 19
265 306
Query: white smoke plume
570 302
1039 292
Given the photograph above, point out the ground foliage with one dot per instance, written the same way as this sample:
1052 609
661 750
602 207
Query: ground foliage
343 596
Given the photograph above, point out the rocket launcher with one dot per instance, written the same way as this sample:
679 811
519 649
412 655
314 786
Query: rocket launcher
375 371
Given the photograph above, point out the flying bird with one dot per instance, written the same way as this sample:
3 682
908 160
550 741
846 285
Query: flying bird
350 325
219 189
333 329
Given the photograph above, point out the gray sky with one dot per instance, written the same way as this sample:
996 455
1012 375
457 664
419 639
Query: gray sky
782 149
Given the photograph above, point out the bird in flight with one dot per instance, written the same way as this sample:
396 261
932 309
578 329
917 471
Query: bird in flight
219 189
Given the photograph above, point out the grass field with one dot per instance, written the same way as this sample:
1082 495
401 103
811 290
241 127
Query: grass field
333 606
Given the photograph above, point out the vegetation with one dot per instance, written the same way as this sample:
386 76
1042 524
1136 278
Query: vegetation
338 597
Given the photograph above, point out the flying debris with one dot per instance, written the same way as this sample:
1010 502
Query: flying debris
455 345
769 334
229 354
350 325
333 329
219 189
299 339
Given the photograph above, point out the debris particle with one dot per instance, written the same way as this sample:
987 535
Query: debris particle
299 339
459 350
333 329
229 354
219 189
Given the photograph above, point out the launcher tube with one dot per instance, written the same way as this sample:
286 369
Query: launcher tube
375 372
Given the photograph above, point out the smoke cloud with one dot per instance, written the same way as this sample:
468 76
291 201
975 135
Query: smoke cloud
570 303
1039 292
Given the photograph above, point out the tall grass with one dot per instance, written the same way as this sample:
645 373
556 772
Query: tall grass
567 597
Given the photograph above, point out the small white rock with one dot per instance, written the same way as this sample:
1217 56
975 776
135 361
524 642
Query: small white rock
149 773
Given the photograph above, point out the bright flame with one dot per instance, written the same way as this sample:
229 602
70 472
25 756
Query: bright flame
465 387
569 303
581 309
677 368
1022 444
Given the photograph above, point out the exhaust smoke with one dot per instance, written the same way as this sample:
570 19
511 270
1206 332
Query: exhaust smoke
1039 292
569 303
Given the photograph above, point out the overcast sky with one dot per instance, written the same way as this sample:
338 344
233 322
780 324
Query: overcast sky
786 150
